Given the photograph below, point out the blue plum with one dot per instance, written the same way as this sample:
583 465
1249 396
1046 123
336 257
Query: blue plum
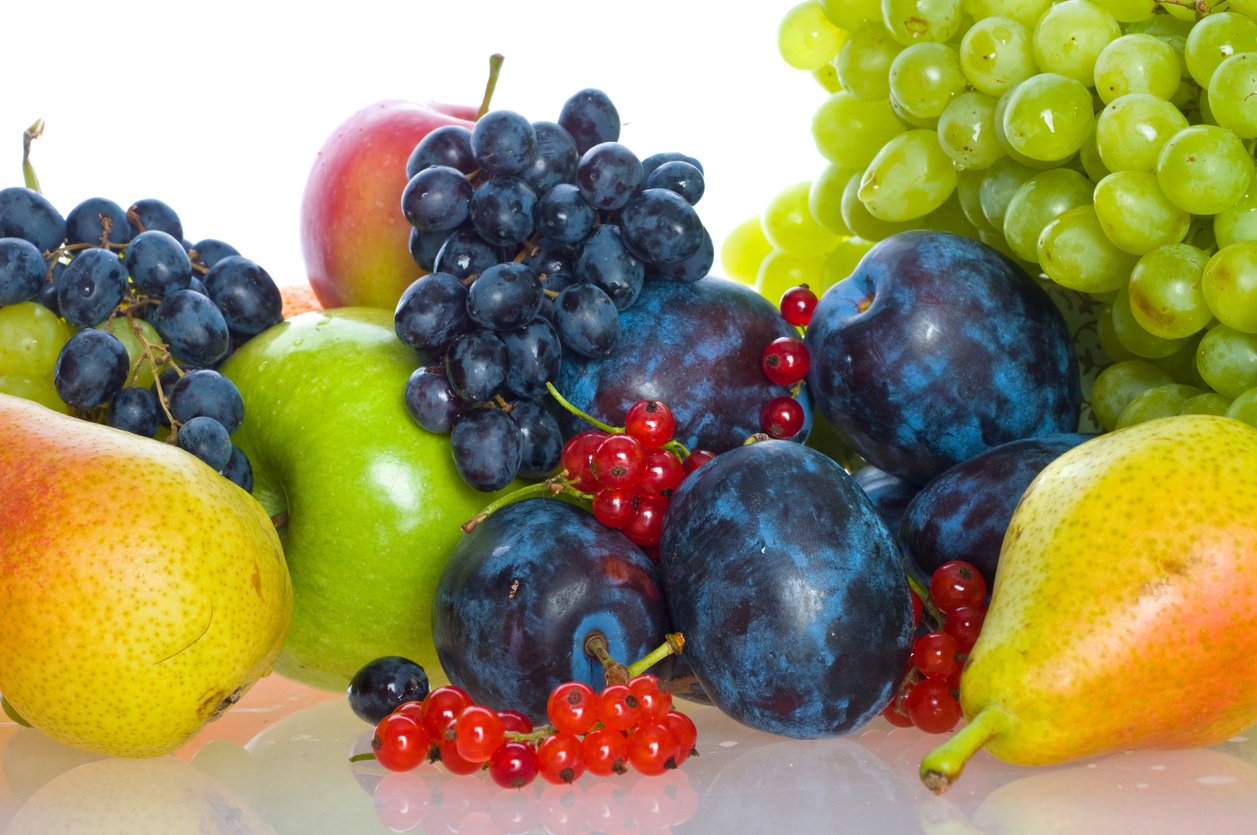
694 346
962 514
789 590
936 348
520 594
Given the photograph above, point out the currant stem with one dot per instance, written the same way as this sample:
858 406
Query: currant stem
554 392
554 486
28 170
673 644
941 767
495 69
922 592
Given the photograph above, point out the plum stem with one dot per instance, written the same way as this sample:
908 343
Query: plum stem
614 671
28 169
495 69
941 767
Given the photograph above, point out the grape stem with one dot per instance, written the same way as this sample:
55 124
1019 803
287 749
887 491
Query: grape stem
495 69
28 169
1200 7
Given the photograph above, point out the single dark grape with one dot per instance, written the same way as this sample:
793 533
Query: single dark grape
152 214
431 401
27 214
542 439
550 257
431 312
533 355
608 175
424 247
239 469
205 392
679 176
158 263
504 297
503 142
689 269
436 199
210 251
607 263
655 160
91 369
564 216
381 685
587 321
86 223
193 327
91 286
445 145
555 160
135 410
207 439
465 254
22 270
476 366
660 226
502 210
552 283
246 295
487 447
591 118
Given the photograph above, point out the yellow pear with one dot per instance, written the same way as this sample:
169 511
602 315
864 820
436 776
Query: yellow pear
141 593
1124 609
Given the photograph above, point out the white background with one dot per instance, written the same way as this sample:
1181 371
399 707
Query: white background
220 108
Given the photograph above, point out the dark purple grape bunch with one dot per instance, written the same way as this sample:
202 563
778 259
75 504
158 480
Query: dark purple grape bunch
108 272
535 236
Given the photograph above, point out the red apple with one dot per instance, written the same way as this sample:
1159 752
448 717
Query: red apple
354 238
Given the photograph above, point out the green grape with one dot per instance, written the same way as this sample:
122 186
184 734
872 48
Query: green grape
1025 12
1248 8
860 221
1171 29
1001 182
1237 222
1206 403
864 61
841 261
744 250
849 131
911 21
1181 364
969 196
1128 11
924 78
1069 37
1229 283
1134 337
1244 407
789 225
37 389
908 178
133 332
33 336
780 271
1137 63
1204 169
1109 343
1075 253
806 38
966 131
949 217
1118 384
850 14
1089 158
1231 99
1227 360
1156 402
1048 116
1215 37
824 198
1165 295
996 55
827 77
1131 130
1038 202
1135 215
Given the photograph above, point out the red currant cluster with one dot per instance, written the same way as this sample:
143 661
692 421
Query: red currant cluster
785 362
926 697
629 724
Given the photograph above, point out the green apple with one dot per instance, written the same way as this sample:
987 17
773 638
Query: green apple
368 504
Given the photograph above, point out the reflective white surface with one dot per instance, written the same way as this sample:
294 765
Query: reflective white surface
279 762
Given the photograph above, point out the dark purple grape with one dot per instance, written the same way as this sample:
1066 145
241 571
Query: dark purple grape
504 297
239 470
590 118
660 227
193 327
551 257
91 369
22 270
502 210
87 223
158 263
431 312
135 410
210 251
655 160
151 214
476 366
207 439
503 142
608 175
564 216
487 447
542 439
424 247
555 160
27 214
445 145
587 321
246 294
681 177
465 253
381 685
205 392
533 355
552 283
431 401
690 269
91 286
436 199
607 263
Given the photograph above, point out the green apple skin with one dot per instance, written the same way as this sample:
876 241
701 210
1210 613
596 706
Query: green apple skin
368 504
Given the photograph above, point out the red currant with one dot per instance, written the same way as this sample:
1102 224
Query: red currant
653 699
895 714
696 459
477 732
661 475
561 758
785 361
442 706
931 706
573 707
515 722
577 458
618 707
651 748
781 417
447 751
797 305
613 506
400 742
955 584
646 526
604 751
934 654
683 731
618 461
651 422
513 764
964 624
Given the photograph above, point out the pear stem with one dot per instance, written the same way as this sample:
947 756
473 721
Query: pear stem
28 169
941 767
495 69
